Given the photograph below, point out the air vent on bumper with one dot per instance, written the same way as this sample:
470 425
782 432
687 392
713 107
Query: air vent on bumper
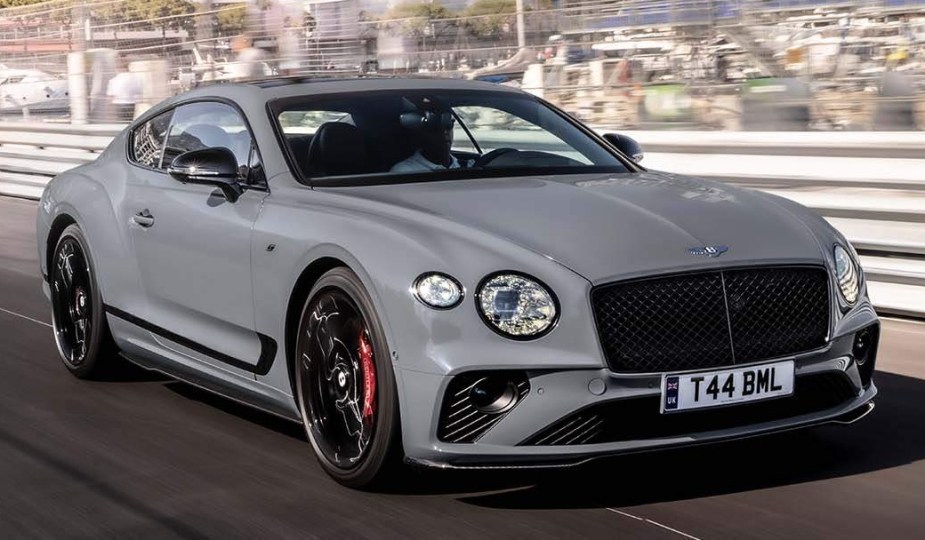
474 402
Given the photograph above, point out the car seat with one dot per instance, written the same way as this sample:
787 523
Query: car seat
338 149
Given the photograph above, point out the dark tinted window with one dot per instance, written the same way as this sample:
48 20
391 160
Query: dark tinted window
148 140
468 134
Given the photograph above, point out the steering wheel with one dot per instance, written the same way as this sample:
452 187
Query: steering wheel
483 160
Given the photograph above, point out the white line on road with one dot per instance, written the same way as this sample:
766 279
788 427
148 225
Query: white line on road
652 522
21 316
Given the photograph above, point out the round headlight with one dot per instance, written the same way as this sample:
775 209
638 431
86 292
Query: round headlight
438 291
516 305
846 273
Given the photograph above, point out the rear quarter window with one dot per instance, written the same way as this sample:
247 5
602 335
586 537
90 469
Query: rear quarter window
147 145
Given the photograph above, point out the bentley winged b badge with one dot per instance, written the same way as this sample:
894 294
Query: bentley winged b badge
708 251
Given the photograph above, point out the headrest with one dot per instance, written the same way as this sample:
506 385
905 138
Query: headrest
337 149
209 136
426 113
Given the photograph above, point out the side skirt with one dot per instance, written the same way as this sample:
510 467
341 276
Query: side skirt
267 344
215 386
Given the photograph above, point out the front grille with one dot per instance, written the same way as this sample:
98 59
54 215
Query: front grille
639 418
711 319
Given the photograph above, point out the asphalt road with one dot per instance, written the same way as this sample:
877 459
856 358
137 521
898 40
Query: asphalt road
141 456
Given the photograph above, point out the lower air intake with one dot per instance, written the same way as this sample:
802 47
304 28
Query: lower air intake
474 402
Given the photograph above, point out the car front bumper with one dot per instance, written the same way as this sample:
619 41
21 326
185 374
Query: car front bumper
556 395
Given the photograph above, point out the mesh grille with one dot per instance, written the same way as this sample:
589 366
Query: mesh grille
680 322
777 311
639 418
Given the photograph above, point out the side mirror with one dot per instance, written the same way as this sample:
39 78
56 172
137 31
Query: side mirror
627 145
209 166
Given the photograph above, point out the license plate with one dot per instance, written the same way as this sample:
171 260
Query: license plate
686 391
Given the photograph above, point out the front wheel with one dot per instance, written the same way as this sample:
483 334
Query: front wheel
345 385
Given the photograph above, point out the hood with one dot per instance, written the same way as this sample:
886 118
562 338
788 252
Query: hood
618 225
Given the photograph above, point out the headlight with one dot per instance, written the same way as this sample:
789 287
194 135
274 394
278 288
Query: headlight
438 291
846 273
516 305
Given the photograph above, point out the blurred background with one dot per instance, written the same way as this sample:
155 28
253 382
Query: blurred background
683 64
819 101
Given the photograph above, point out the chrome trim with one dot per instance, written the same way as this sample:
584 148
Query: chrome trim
193 171
847 419
732 345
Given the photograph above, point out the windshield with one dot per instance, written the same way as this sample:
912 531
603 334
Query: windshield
420 136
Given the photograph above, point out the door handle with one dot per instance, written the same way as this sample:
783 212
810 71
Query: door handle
143 219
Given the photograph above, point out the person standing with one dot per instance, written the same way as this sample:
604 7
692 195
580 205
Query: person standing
248 60
125 91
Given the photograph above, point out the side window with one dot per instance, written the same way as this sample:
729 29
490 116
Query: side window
148 140
208 125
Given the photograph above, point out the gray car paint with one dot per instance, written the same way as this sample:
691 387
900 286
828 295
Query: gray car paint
571 232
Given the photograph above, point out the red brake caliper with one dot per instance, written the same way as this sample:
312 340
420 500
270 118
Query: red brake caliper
369 376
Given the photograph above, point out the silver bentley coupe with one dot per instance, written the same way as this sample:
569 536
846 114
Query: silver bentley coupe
449 274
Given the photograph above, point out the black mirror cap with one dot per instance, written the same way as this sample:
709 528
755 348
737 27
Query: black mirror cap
627 145
209 166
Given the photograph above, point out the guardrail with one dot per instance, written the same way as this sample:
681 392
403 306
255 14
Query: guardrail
32 154
868 184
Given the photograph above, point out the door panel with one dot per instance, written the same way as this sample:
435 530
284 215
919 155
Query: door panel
193 248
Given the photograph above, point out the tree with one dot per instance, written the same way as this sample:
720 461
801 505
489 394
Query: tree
230 20
155 11
15 3
415 19
490 18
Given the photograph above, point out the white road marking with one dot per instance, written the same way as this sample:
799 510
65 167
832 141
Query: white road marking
652 522
614 510
21 316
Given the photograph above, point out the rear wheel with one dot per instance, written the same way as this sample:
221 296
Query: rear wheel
345 386
79 323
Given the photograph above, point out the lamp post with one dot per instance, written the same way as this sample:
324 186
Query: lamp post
521 34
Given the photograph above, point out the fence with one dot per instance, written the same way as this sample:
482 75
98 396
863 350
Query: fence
190 42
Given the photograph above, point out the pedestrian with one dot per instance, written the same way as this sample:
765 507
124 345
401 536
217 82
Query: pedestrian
125 91
248 61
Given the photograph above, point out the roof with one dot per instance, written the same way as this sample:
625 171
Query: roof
306 86
255 94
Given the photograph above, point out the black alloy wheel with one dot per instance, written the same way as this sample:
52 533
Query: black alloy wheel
77 310
344 381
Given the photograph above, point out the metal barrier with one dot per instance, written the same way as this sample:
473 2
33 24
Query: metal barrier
869 185
31 154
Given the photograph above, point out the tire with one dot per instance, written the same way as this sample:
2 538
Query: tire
78 318
345 386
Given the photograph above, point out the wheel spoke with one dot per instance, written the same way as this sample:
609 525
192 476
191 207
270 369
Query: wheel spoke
338 380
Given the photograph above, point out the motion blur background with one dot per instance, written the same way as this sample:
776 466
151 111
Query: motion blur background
820 101
694 64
